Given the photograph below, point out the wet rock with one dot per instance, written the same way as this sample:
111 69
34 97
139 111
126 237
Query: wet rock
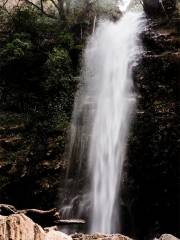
56 235
98 236
168 237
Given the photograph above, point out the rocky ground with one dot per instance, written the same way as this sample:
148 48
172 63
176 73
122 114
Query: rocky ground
20 227
34 224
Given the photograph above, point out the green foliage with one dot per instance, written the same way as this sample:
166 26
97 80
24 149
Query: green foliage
24 20
3 181
15 49
60 84
59 61
39 59
60 122
58 66
67 40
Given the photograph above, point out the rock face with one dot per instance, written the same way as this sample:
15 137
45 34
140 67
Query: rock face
152 170
156 7
20 227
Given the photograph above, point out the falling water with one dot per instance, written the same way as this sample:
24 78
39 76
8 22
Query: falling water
110 58
103 111
123 4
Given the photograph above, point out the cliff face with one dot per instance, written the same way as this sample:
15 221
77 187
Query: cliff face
151 190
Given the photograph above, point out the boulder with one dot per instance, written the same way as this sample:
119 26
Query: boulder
168 237
20 227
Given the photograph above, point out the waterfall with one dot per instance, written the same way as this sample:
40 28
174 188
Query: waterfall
110 57
123 4
103 112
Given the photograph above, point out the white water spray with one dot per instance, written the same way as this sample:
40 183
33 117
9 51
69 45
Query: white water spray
110 57
123 5
103 111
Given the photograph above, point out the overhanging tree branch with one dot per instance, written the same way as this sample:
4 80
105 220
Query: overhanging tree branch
55 4
3 6
40 8
4 3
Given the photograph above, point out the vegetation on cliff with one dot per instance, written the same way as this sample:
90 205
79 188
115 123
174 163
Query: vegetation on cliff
39 62
40 50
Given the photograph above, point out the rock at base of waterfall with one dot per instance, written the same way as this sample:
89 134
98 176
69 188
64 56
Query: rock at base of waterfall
20 227
56 235
98 236
168 237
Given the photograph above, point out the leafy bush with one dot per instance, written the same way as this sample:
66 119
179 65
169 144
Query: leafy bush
15 49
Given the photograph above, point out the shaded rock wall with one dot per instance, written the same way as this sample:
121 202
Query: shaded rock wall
151 189
156 7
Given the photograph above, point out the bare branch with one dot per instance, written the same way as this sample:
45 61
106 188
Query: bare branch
4 4
55 4
42 6
18 3
59 5
41 9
